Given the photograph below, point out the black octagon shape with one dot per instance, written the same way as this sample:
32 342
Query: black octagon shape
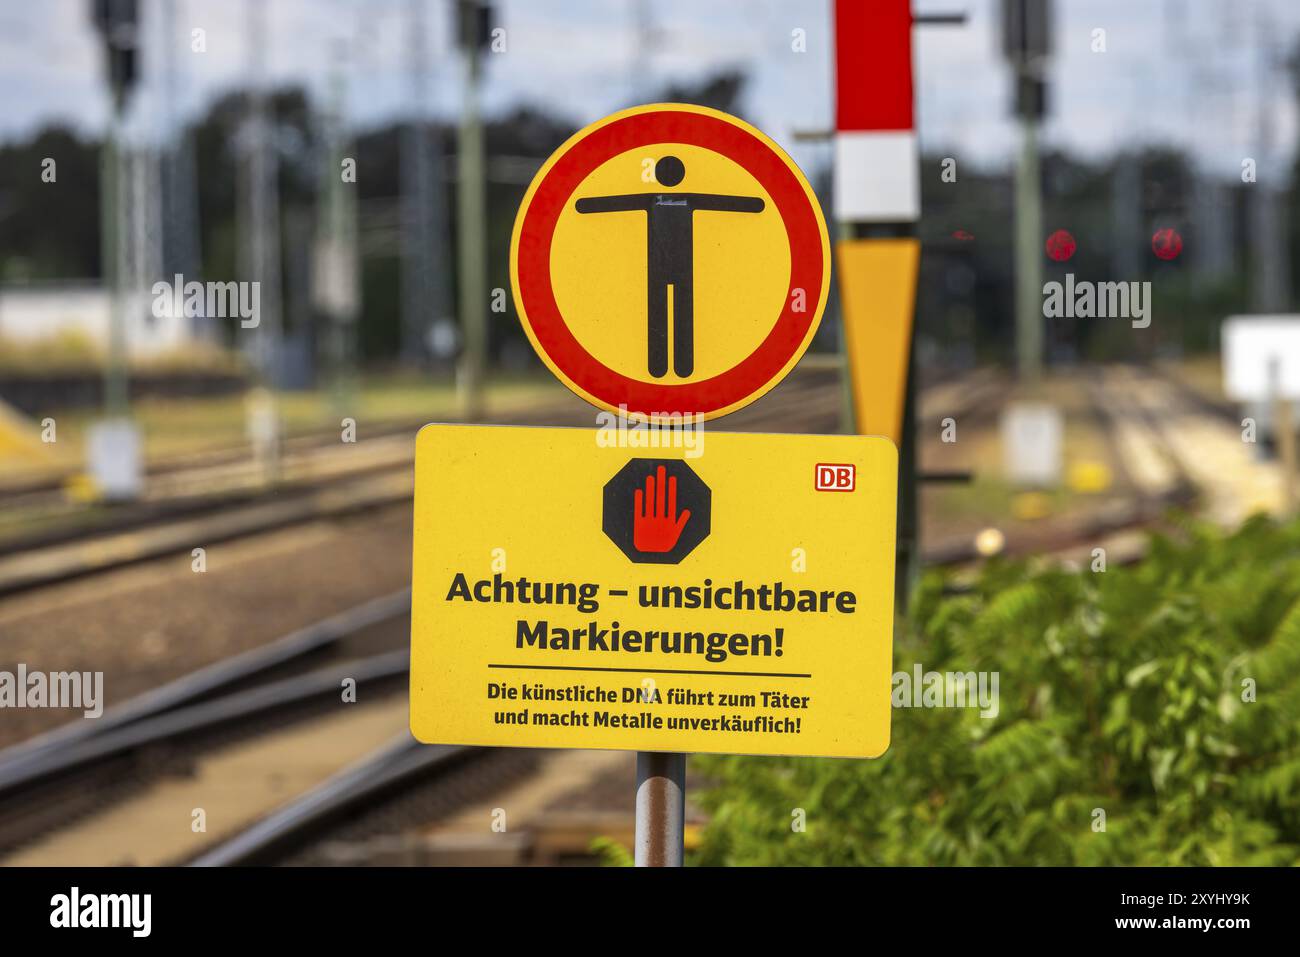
641 517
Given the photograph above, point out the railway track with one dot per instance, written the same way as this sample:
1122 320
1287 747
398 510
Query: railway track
183 478
49 489
65 560
1217 408
69 783
810 402
1207 445
65 774
322 483
378 776
972 400
1139 441
204 484
65 523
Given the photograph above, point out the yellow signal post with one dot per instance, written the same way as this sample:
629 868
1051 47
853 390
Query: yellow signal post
878 292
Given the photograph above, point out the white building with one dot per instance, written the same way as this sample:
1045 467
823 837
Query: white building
30 312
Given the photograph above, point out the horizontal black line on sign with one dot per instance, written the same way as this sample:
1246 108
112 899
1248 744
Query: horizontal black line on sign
621 592
657 671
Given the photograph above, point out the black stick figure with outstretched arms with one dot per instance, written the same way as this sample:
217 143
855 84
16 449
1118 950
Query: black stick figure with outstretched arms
670 255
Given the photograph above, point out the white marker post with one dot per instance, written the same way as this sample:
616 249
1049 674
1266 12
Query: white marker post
1261 363
1032 442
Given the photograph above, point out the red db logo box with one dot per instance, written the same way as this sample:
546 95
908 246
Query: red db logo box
835 477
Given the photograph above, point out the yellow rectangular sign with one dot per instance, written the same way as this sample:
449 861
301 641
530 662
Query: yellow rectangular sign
730 595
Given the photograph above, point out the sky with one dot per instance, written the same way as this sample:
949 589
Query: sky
1202 74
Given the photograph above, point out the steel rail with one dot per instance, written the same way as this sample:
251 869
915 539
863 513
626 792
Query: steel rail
18 762
375 776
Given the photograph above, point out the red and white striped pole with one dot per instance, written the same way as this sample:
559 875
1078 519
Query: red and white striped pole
877 202
876 159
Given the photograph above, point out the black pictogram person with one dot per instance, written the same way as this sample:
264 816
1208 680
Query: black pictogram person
670 255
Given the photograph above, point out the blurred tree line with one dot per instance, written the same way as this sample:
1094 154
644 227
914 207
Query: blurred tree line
965 305
50 232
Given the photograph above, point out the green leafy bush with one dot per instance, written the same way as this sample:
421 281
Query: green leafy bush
1123 691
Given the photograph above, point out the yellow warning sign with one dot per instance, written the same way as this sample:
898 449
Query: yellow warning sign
670 259
732 594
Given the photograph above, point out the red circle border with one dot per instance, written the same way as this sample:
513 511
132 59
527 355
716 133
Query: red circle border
553 192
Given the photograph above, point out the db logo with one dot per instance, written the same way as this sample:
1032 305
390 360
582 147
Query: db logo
836 478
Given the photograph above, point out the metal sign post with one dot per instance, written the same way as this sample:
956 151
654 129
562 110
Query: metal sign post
660 809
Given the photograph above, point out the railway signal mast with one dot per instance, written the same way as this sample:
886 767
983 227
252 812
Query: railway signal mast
336 283
877 203
424 247
113 445
261 262
1026 42
473 33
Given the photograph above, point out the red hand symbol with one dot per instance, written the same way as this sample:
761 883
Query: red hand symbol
654 529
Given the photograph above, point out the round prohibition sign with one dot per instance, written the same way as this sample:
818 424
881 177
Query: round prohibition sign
674 312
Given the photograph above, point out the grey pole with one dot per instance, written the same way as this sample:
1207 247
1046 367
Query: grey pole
1029 257
261 254
116 388
1027 43
472 247
422 269
660 808
339 294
